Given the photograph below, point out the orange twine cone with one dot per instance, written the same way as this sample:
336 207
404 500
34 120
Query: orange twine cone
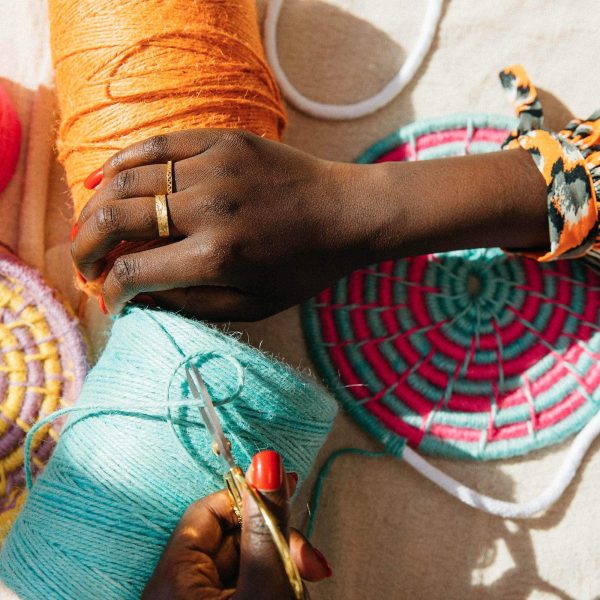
128 70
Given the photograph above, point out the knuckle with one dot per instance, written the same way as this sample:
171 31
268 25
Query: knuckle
239 138
117 160
125 183
216 257
155 148
126 270
107 219
245 138
257 528
223 204
230 137
85 213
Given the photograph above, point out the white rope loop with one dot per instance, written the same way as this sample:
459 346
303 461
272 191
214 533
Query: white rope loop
340 112
513 510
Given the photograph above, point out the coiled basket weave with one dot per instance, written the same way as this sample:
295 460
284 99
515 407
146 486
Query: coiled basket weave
42 367
477 354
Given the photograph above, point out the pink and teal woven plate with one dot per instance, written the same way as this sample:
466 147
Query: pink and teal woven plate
476 354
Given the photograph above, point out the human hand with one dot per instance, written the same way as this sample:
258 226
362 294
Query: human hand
206 558
256 226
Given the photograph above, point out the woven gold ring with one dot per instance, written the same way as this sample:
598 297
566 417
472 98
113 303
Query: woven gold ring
169 177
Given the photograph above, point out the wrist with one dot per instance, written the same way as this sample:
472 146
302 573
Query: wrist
391 210
367 211
479 201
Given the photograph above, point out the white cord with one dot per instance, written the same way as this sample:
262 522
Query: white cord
513 510
338 112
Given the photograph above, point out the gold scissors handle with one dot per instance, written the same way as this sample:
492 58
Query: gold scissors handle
235 480
279 540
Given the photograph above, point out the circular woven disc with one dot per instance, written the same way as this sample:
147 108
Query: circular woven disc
42 367
476 354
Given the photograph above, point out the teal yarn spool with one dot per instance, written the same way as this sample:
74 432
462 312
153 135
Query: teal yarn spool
135 453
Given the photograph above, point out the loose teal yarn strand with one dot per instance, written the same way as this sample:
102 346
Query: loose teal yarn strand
97 518
322 477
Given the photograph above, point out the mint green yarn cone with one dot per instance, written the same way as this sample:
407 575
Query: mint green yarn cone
135 454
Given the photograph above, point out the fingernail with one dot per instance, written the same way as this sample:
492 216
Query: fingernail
93 179
144 299
74 230
294 476
102 304
266 472
323 562
80 278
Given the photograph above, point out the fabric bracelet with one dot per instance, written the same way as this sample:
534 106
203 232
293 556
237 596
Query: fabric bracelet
565 161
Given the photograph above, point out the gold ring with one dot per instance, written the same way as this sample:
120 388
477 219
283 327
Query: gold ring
169 177
162 215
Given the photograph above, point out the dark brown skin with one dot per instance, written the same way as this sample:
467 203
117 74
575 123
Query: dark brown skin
258 226
207 558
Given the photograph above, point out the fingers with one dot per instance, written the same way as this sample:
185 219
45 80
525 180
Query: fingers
198 524
215 304
161 148
143 181
202 556
131 183
132 220
178 265
262 575
175 147
201 552
311 563
200 521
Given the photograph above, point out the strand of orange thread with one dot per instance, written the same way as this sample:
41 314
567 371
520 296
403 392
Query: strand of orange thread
128 70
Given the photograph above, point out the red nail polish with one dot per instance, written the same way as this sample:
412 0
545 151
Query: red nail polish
93 179
82 280
323 562
266 473
294 476
144 299
102 304
74 230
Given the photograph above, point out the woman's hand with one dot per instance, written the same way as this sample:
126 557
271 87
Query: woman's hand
256 226
206 558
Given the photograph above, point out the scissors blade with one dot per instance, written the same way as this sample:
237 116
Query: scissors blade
209 414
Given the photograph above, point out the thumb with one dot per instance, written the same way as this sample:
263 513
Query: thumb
262 575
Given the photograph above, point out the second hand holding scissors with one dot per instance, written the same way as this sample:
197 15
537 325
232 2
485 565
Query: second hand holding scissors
235 480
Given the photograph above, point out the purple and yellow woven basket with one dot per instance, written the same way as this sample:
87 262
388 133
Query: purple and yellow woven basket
42 367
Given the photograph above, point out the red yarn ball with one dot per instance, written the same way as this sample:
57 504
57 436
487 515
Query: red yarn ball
10 139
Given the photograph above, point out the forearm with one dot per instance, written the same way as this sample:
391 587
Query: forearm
486 200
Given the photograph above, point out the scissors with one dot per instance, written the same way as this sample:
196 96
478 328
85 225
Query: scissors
234 476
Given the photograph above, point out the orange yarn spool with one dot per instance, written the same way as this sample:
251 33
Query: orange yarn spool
132 69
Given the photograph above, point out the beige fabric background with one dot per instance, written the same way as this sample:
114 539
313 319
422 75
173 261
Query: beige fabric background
388 532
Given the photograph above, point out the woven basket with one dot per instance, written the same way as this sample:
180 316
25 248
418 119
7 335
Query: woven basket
477 354
42 367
